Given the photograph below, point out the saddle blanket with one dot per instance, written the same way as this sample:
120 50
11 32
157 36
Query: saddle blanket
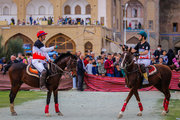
152 70
32 71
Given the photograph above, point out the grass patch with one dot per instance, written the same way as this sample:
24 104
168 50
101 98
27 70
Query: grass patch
22 96
174 109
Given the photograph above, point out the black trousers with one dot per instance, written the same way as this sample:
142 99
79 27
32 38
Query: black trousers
80 82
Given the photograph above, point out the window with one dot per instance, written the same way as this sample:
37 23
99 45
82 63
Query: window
67 10
175 27
151 24
88 47
42 10
134 12
77 9
88 9
5 10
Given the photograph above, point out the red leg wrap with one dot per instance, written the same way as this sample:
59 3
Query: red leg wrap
164 102
47 109
140 106
166 106
124 107
57 108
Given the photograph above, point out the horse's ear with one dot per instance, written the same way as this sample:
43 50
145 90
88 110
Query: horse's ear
130 49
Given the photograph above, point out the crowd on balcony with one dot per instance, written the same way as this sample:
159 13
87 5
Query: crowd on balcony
50 21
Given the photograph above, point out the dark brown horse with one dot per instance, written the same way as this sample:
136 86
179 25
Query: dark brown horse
133 79
18 76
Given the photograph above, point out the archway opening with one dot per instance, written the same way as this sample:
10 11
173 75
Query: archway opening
63 42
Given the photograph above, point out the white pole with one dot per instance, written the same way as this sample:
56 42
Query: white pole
125 24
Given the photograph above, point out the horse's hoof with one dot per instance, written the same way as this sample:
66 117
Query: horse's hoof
139 113
14 114
120 115
60 114
48 115
164 113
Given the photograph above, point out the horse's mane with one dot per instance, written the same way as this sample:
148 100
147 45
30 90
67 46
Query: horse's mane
63 55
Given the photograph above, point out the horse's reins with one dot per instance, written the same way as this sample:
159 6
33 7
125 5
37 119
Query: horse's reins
60 69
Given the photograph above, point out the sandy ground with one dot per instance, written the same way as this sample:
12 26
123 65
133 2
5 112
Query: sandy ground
91 106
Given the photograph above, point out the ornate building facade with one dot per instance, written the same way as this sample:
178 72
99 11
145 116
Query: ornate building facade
104 22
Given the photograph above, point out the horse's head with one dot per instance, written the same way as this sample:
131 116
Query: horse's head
68 61
127 58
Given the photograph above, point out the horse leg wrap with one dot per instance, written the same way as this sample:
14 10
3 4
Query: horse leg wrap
166 105
124 107
57 108
140 106
47 109
164 102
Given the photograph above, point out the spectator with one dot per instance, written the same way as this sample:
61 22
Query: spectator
114 57
23 23
31 20
89 67
153 61
109 66
78 54
95 69
165 57
2 63
161 62
19 57
54 57
158 52
139 25
24 60
13 60
117 71
12 21
86 61
29 58
101 69
170 55
80 72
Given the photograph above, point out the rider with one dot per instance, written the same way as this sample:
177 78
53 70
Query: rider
143 48
40 53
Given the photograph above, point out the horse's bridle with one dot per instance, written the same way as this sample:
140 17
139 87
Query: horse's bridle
61 70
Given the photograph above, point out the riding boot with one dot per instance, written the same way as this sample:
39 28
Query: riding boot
43 80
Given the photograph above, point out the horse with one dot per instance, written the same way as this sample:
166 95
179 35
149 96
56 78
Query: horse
133 79
18 76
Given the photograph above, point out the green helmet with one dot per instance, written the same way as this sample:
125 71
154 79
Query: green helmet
143 33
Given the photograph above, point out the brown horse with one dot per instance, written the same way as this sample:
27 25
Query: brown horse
18 76
133 79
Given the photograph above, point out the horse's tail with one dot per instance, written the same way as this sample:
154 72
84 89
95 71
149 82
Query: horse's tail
173 67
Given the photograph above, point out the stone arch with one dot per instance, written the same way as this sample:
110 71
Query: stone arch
28 43
6 10
88 9
63 42
88 46
78 9
133 40
42 10
67 10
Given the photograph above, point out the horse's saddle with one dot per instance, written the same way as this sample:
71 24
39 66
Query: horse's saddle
151 69
31 70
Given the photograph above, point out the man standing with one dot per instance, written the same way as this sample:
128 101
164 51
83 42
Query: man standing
158 52
143 48
109 66
40 53
80 72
